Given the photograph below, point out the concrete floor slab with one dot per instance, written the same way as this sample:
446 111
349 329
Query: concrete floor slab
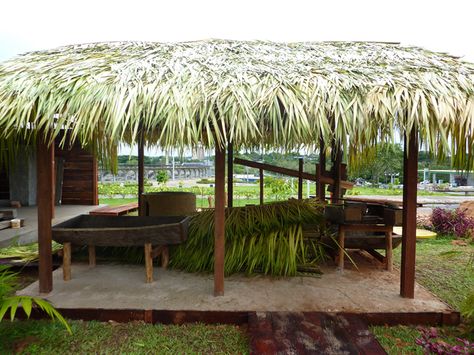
117 286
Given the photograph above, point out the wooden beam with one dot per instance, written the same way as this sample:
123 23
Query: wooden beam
219 222
289 172
300 178
230 175
261 183
410 181
141 168
44 198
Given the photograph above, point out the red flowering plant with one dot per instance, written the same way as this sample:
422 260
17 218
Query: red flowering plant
432 343
452 222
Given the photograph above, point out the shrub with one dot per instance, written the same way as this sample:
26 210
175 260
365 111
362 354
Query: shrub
162 177
205 181
279 187
453 222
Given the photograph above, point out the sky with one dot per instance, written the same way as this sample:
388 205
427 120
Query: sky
39 24
445 26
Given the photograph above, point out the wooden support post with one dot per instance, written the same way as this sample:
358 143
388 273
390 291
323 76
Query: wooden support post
320 171
148 263
92 258
53 182
300 178
388 251
66 261
410 181
336 158
141 168
44 198
95 184
261 182
165 257
341 240
230 175
219 222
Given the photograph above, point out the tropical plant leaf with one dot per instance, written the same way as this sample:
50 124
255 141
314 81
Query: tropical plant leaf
8 302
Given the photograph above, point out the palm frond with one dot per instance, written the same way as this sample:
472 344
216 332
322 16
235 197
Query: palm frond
251 93
267 239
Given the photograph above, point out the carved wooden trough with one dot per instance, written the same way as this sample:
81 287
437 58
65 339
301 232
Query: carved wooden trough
121 231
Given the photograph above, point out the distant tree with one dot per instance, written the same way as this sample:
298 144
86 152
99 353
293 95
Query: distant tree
380 161
279 187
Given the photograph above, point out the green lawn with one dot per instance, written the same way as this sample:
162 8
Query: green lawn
200 202
445 269
44 337
245 194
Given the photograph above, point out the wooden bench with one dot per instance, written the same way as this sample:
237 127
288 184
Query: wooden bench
115 210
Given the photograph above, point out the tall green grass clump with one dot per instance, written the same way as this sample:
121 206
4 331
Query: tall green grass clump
266 239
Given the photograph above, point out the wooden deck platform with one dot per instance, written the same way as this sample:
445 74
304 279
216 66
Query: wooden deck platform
118 292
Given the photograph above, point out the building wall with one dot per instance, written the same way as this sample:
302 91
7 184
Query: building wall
22 177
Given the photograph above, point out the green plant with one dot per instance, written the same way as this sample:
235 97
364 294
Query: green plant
162 177
8 279
266 239
279 187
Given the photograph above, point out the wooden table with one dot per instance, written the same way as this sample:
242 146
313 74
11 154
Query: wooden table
359 227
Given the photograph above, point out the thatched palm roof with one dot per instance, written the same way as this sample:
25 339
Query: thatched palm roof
252 93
